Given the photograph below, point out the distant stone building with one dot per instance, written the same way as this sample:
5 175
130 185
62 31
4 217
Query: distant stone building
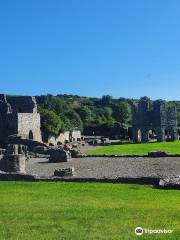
158 120
18 116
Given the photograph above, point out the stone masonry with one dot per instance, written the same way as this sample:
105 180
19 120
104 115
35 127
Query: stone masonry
18 116
159 118
14 159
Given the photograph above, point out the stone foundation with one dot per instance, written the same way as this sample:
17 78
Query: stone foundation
13 163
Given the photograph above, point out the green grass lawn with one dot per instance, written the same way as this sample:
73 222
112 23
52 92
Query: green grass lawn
83 211
140 149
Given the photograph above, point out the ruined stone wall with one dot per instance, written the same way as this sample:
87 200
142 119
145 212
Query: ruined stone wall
76 135
59 139
159 118
29 126
18 116
22 104
8 126
66 136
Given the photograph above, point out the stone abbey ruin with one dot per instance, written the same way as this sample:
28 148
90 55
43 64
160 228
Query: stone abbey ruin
18 116
24 155
160 120
21 138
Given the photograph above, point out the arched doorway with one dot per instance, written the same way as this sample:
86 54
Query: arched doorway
168 135
31 135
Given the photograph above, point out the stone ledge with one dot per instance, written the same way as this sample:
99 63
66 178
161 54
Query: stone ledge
157 182
170 183
33 178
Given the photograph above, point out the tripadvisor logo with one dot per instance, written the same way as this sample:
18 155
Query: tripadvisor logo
139 231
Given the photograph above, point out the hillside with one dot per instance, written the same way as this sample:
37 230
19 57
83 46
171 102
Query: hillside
96 116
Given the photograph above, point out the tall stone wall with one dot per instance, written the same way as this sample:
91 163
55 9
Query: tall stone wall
18 116
160 118
29 126
8 126
22 104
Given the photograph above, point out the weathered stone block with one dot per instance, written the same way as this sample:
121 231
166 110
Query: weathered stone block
170 182
59 155
65 172
75 152
157 154
13 163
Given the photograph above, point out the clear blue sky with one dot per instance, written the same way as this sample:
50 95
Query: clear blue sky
125 48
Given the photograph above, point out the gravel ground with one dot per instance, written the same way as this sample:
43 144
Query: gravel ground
100 167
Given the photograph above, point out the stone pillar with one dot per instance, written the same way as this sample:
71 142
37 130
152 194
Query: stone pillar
135 135
160 134
174 135
144 133
12 161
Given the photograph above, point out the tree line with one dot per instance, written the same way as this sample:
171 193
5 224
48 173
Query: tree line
90 115
66 112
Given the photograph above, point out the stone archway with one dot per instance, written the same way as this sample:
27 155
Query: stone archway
31 137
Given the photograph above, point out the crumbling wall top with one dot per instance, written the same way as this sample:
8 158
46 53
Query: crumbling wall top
18 104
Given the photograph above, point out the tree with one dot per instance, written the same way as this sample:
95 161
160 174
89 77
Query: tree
121 112
85 114
50 122
75 120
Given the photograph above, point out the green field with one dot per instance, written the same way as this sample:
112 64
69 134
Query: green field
82 211
140 149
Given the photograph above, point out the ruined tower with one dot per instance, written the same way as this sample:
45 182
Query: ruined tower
18 116
159 119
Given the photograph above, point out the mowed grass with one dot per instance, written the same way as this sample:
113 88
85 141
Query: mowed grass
82 211
139 149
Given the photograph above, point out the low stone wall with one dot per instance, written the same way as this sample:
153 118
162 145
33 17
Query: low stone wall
26 142
76 135
170 183
4 176
59 139
153 181
66 136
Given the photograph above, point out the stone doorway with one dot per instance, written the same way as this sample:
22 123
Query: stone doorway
30 135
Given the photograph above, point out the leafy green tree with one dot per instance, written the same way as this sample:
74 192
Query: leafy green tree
75 120
121 112
85 114
50 122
